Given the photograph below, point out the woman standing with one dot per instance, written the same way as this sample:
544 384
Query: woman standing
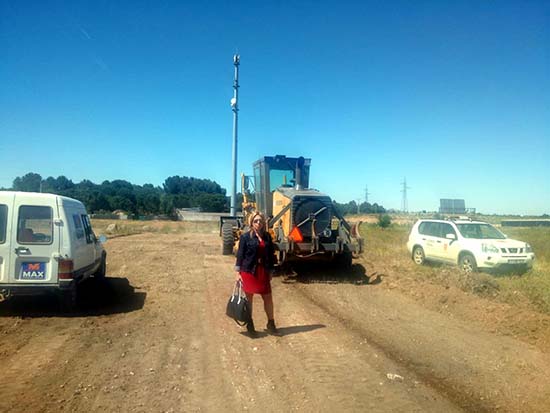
255 260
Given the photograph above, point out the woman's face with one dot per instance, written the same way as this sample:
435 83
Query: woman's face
257 223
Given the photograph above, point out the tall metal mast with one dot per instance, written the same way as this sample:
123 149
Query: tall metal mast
235 108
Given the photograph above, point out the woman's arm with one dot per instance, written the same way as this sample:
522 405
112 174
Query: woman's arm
240 253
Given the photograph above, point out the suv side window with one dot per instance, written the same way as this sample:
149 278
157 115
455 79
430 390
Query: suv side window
90 236
424 228
3 222
429 228
447 229
35 225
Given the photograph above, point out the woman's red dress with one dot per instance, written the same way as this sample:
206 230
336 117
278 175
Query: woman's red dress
259 282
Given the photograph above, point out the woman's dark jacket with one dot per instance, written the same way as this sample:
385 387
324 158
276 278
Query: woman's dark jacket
247 258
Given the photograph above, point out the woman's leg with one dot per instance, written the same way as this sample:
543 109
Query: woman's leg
268 305
250 297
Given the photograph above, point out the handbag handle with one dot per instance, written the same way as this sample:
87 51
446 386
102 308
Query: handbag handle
238 290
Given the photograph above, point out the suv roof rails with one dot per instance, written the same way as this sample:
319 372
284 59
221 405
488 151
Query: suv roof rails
459 218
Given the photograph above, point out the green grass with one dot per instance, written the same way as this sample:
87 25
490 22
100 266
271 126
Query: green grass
535 284
387 246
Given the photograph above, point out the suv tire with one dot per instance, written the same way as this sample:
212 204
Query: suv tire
467 263
418 255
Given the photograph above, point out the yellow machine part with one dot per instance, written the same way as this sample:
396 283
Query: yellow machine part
279 202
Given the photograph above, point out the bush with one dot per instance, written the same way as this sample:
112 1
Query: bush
384 221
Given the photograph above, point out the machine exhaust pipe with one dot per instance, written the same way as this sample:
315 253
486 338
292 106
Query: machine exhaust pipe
299 165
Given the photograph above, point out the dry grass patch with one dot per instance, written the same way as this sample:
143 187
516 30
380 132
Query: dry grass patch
386 252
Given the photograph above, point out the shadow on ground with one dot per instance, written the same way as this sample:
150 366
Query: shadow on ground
95 297
286 331
308 273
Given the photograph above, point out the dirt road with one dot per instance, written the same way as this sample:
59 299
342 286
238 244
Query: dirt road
155 339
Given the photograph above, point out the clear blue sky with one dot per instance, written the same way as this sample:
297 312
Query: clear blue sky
454 96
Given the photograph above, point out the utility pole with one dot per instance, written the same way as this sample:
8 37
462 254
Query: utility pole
367 193
235 109
404 191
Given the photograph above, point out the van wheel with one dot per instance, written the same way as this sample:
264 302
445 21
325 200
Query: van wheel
68 300
102 270
467 263
418 255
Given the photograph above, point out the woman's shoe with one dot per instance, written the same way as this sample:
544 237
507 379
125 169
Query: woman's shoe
250 328
271 327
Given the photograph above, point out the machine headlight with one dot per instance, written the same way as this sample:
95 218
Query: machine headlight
489 248
528 248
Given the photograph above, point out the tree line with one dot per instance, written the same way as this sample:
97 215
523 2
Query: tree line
175 192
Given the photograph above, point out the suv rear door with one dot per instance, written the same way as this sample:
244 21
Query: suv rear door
429 231
35 241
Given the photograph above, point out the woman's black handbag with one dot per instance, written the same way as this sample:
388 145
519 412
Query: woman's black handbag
237 306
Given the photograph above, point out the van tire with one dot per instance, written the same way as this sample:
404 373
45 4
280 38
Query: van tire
102 269
68 299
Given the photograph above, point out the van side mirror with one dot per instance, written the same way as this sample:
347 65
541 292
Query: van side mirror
450 236
102 239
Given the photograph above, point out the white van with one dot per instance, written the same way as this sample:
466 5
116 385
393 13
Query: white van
46 245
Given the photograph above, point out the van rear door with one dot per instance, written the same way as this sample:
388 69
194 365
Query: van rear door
6 203
35 241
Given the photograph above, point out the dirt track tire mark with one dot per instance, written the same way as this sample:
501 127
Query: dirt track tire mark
464 364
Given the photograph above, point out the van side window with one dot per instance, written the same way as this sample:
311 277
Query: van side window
3 222
90 236
79 229
35 225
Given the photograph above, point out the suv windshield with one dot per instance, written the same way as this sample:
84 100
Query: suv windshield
480 231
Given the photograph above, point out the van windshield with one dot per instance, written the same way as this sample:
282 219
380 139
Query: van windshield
480 231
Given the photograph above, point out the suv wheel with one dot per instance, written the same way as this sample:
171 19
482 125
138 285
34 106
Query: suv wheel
418 255
467 263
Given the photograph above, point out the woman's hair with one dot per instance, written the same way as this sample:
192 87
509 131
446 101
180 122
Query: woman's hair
254 215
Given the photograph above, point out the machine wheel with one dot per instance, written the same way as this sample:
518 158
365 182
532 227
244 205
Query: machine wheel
343 260
228 240
102 270
467 263
418 255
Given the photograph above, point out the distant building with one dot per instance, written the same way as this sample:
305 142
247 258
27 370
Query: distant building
452 206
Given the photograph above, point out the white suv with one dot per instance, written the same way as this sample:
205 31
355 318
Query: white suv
470 244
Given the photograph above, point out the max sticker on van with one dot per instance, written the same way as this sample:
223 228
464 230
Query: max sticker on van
33 271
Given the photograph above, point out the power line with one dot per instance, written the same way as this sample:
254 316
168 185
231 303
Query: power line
404 192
